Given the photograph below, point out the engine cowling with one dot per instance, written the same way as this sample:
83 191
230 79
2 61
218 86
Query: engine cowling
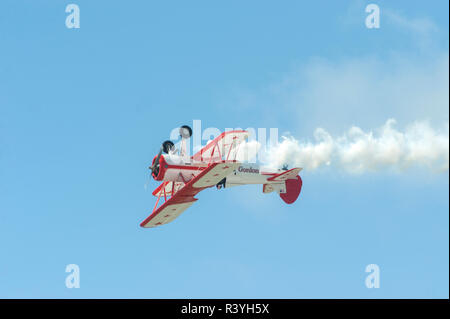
160 168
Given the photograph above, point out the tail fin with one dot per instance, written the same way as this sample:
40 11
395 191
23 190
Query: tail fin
293 189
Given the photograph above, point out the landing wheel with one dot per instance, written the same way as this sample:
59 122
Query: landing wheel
221 184
185 131
167 146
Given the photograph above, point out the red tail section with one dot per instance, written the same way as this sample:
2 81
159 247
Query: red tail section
293 188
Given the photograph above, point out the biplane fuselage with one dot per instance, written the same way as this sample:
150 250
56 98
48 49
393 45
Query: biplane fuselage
183 177
174 168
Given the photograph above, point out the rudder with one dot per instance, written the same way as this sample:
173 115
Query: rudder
293 189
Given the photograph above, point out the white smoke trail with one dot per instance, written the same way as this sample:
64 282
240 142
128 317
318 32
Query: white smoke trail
248 151
358 151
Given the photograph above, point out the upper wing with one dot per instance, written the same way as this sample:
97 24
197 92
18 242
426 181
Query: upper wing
223 147
184 197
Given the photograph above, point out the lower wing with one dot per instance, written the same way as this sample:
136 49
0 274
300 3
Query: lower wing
184 197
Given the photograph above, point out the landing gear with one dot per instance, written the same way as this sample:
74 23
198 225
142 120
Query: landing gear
185 131
167 146
221 184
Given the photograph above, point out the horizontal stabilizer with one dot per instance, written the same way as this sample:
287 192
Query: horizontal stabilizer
289 174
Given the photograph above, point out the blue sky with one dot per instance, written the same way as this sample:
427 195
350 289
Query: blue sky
83 112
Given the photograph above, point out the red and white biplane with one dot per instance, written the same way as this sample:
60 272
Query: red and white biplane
184 176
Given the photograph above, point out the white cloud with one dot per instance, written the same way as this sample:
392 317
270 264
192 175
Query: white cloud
365 91
420 29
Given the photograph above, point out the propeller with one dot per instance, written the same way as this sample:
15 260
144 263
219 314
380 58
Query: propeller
155 166
166 148
285 167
